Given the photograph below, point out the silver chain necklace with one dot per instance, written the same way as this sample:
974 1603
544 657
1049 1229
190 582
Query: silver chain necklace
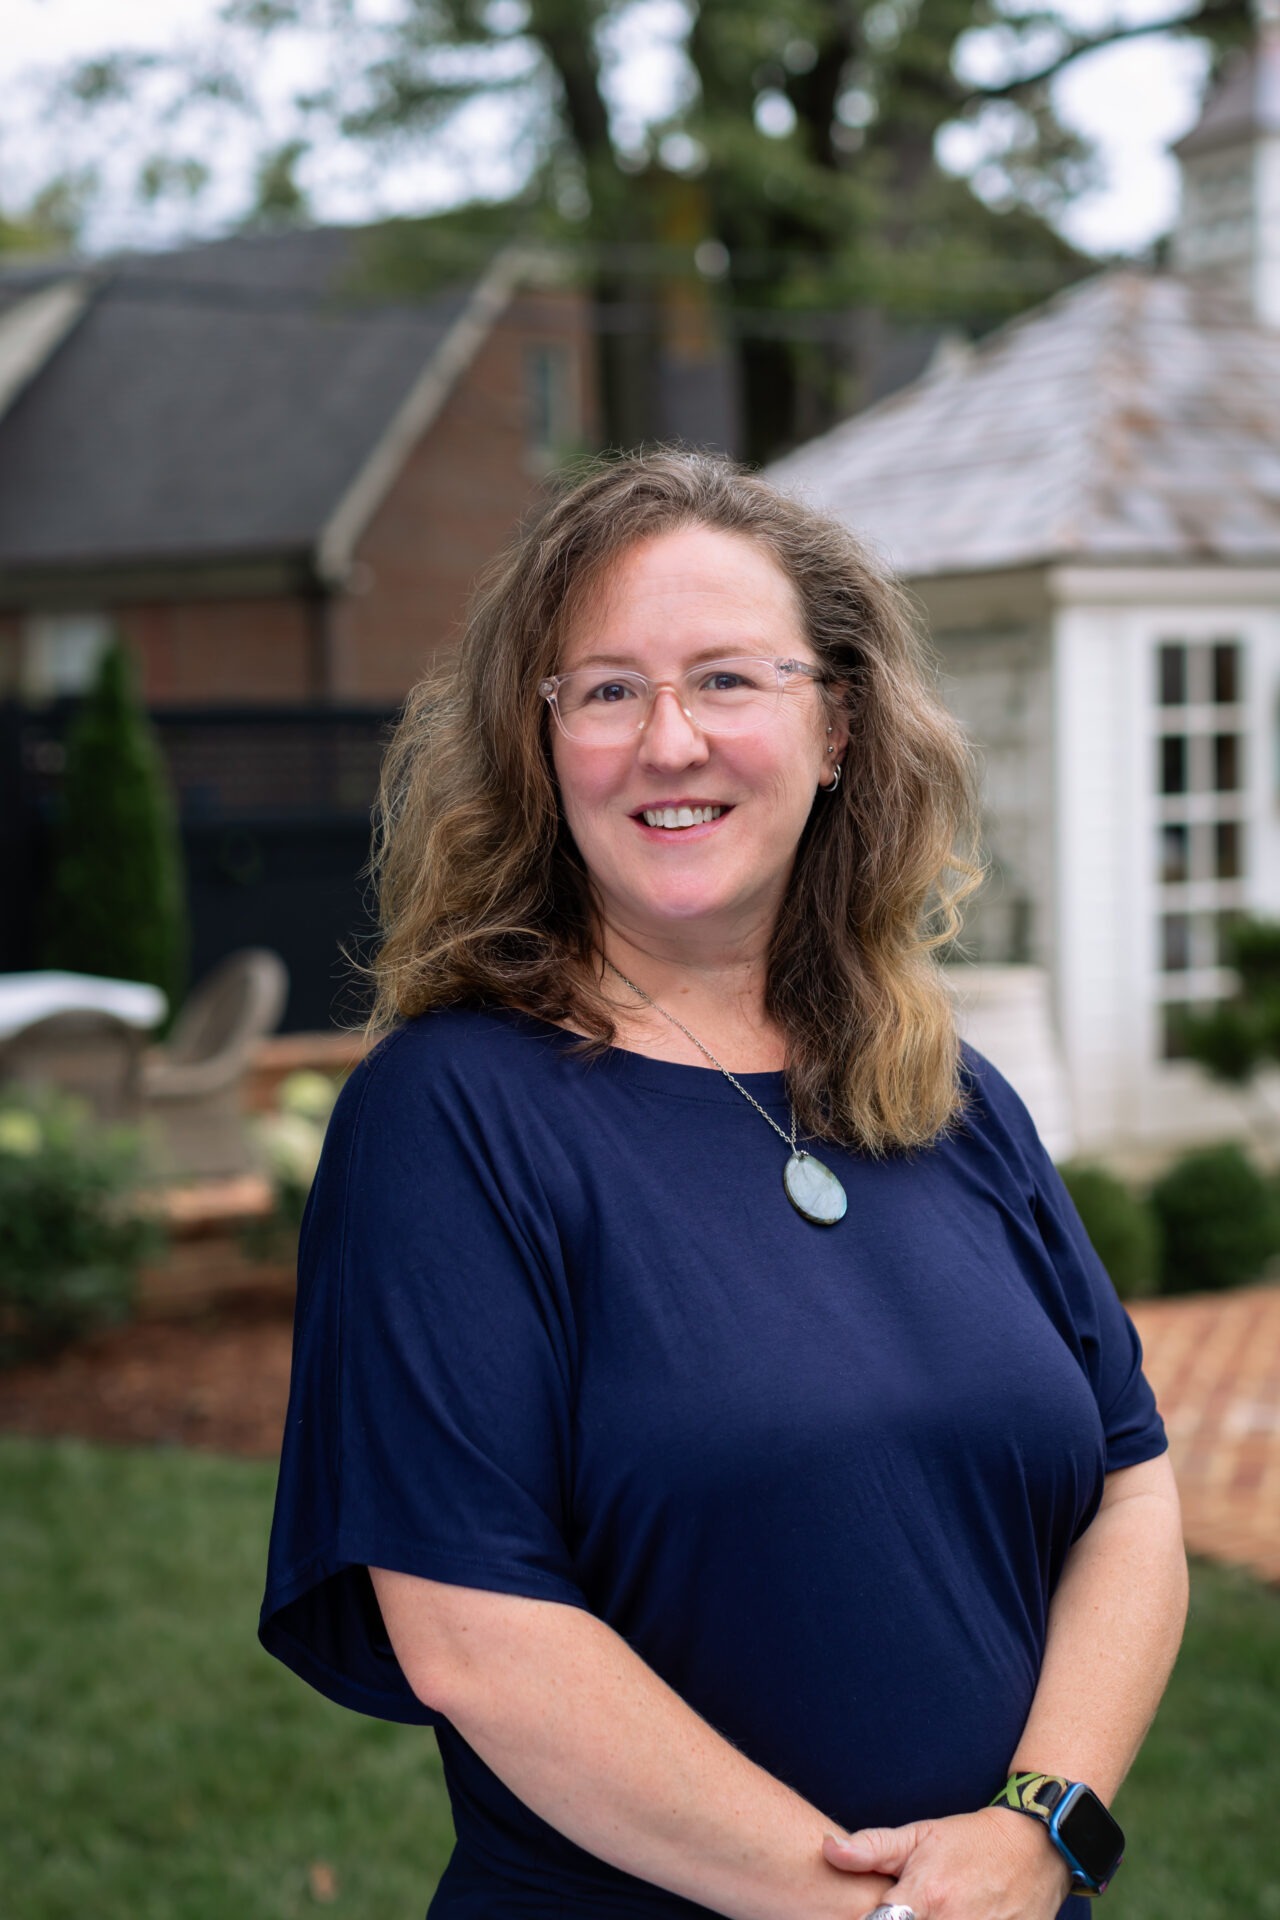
811 1187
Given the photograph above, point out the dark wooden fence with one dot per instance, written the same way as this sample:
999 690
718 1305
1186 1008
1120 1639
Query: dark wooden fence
274 805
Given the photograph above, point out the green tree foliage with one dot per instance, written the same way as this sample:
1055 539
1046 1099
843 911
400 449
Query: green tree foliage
793 181
280 200
116 901
1121 1226
1236 1037
1219 1221
53 219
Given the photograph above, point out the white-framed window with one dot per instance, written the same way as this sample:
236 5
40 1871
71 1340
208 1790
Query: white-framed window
552 426
1202 848
61 651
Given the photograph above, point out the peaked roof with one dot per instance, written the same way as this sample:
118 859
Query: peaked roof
32 325
1245 102
1132 418
212 404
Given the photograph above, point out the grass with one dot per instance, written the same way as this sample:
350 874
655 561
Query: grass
1200 1807
156 1765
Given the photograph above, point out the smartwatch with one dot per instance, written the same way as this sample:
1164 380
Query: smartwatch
1089 1840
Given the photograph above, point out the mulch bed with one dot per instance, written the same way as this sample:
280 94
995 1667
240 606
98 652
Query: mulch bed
218 1382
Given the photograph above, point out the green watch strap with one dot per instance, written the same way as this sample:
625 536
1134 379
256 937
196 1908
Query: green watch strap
1034 1793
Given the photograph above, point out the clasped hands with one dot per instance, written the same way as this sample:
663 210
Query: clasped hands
991 1865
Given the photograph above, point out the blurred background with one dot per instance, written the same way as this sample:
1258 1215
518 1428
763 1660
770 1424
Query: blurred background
305 307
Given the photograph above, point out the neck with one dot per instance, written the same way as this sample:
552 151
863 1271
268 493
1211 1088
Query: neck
717 995
726 974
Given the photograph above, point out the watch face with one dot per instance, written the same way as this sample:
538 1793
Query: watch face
1090 1833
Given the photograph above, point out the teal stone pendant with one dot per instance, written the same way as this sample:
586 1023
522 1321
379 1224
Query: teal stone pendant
813 1190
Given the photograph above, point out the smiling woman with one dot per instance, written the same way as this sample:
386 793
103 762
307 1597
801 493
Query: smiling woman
511 845
686 785
709 1495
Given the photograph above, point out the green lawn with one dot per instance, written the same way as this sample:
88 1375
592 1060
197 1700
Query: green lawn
156 1765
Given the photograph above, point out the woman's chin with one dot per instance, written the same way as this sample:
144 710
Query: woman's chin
689 909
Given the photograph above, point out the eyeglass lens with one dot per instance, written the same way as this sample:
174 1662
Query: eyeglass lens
722 696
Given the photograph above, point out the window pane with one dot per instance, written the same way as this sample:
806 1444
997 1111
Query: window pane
1226 763
549 399
1228 850
61 652
1173 764
1174 1035
1225 922
1175 854
1175 942
1171 677
1226 674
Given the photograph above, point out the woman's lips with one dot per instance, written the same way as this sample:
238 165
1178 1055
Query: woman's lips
676 816
691 820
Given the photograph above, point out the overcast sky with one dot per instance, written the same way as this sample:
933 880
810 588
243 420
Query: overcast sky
1132 99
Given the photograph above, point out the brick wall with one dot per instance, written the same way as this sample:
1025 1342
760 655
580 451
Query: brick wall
222 650
458 501
10 653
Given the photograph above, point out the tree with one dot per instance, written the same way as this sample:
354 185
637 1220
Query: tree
1240 1036
279 199
116 900
52 222
792 179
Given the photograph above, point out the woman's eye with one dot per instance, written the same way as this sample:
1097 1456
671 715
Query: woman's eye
611 690
725 680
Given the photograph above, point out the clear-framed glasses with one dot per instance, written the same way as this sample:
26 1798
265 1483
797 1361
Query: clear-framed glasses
600 706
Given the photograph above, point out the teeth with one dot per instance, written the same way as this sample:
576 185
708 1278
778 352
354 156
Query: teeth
680 816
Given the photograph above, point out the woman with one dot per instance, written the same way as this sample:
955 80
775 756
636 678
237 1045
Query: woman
707 1408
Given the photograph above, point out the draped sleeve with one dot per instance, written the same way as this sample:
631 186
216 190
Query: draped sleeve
430 1406
1082 1298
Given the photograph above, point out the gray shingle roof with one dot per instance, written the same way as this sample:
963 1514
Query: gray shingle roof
1132 418
211 404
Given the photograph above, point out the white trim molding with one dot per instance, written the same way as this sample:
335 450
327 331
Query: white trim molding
33 329
335 549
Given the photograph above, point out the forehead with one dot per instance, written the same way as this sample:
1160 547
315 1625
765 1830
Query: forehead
684 592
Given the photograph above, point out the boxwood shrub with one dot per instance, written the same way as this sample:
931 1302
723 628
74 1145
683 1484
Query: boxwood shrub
1219 1221
1121 1225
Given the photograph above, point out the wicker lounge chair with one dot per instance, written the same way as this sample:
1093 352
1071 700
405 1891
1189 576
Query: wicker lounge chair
82 1051
193 1088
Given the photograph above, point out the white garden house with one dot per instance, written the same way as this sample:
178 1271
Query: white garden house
1087 507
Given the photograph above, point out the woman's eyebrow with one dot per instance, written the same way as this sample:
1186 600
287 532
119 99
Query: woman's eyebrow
748 650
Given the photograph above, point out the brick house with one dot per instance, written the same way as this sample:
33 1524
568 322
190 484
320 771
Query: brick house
280 493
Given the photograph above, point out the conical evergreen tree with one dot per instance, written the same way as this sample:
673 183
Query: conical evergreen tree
116 902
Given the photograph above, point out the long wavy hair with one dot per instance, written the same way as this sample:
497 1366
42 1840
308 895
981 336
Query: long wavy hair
484 897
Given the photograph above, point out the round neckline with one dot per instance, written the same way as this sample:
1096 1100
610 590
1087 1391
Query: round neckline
678 1077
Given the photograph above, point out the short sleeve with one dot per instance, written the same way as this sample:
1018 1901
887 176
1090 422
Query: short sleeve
1084 1301
428 1428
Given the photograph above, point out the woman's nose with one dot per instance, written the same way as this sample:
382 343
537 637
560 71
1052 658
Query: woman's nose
670 737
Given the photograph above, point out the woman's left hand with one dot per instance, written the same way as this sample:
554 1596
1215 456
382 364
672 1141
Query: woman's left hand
992 1865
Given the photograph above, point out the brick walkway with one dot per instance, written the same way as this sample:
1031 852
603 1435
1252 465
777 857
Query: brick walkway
1214 1362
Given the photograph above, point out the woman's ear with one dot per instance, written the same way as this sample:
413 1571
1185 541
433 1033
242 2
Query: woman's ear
836 743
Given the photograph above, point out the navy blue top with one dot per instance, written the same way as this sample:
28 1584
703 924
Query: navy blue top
560 1333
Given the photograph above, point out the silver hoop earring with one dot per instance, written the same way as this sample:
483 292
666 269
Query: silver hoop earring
836 771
